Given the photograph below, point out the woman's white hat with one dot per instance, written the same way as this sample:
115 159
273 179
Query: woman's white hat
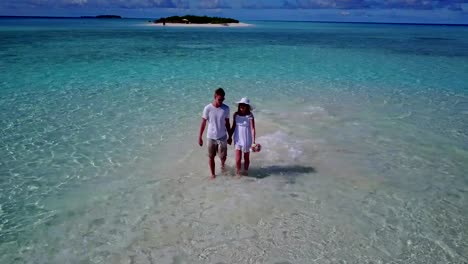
245 100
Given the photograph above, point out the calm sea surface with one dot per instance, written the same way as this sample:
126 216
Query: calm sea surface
364 129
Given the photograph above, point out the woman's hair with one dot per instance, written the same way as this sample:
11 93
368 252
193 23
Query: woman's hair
249 108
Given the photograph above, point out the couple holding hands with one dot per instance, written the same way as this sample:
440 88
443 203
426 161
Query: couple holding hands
220 133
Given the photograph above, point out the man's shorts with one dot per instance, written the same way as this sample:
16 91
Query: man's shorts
217 146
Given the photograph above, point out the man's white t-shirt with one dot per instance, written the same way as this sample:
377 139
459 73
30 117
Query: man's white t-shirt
216 117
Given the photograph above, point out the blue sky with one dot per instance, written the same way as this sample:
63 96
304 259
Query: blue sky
396 11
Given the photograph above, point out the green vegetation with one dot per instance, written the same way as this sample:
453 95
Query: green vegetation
195 20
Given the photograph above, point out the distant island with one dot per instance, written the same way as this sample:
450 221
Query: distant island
188 19
102 16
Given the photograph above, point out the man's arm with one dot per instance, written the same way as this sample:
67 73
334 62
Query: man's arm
202 129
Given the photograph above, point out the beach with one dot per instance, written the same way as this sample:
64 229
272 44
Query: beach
363 130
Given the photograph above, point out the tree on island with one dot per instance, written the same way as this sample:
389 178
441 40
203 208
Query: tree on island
188 19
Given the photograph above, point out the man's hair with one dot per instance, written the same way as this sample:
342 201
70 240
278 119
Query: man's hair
220 91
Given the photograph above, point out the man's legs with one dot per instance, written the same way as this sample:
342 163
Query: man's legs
223 161
212 148
222 145
211 162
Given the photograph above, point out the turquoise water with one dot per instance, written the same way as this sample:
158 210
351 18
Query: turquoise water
363 127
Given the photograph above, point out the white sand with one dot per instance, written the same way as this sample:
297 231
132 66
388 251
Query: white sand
201 25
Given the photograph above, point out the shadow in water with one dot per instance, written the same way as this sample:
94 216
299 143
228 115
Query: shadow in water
290 172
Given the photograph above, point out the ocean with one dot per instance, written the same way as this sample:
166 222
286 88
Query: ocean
364 129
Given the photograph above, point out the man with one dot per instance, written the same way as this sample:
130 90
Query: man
217 115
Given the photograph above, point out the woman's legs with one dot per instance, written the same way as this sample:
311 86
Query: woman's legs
246 162
238 161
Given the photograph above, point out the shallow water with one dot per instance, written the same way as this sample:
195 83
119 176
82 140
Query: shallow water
363 128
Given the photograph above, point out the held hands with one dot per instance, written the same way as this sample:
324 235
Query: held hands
229 141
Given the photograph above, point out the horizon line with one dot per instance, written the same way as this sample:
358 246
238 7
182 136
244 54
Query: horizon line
265 20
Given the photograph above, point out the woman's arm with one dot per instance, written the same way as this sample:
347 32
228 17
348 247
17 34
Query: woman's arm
252 126
231 131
